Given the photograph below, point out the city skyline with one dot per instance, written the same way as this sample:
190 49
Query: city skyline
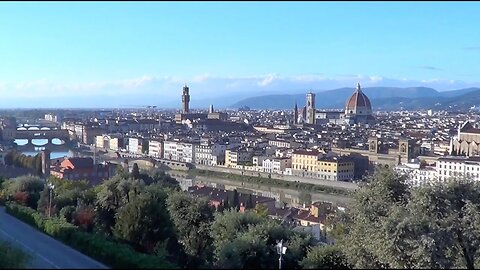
105 50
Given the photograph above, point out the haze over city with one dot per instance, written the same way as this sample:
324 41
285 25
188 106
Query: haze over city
98 54
239 135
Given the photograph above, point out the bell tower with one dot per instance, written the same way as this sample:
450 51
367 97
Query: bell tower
310 115
373 145
295 114
185 99
405 148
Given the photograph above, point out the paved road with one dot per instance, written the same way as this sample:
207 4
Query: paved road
47 253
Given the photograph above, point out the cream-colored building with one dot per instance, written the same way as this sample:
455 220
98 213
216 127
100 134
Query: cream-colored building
155 148
110 142
304 162
276 165
336 168
312 163
234 158
211 154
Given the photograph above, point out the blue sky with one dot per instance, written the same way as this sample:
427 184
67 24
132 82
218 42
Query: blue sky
152 48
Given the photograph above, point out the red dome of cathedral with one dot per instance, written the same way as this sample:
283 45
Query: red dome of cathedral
358 103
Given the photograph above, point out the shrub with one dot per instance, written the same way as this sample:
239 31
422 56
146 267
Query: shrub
110 252
21 197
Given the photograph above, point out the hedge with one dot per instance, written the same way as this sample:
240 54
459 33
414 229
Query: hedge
116 255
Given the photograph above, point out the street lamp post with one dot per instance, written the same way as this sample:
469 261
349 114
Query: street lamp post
50 188
281 249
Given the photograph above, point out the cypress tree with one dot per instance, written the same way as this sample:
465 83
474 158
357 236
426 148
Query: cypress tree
236 202
135 171
249 203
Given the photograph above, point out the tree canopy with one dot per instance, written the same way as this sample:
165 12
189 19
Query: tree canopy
431 226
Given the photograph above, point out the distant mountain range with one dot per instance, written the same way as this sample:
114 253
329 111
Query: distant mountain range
381 98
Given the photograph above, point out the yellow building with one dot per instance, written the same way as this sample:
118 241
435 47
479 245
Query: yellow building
335 168
312 163
304 162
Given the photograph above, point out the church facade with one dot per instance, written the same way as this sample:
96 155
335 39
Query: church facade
467 141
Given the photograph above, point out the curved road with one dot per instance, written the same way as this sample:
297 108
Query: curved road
46 252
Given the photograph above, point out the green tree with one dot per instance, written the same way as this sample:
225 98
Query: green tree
249 203
425 227
245 252
261 210
192 218
305 198
113 194
373 202
38 165
44 200
144 221
226 225
135 171
246 240
233 199
67 213
30 186
68 193
325 257
156 176
8 159
145 147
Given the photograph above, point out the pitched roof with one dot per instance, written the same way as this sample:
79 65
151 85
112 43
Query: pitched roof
81 162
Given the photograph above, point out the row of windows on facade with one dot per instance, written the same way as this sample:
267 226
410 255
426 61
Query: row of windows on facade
299 167
322 163
459 167
468 174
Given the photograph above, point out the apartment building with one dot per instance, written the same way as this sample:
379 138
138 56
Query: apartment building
313 163
417 174
276 165
135 146
284 144
179 151
304 162
188 152
448 167
170 150
210 154
238 157
112 142
155 148
335 168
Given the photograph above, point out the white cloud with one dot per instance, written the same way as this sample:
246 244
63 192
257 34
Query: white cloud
137 82
375 79
150 87
267 80
201 78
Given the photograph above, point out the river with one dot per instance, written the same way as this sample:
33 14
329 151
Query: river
288 196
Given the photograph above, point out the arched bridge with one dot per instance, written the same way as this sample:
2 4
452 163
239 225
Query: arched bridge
152 162
51 134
